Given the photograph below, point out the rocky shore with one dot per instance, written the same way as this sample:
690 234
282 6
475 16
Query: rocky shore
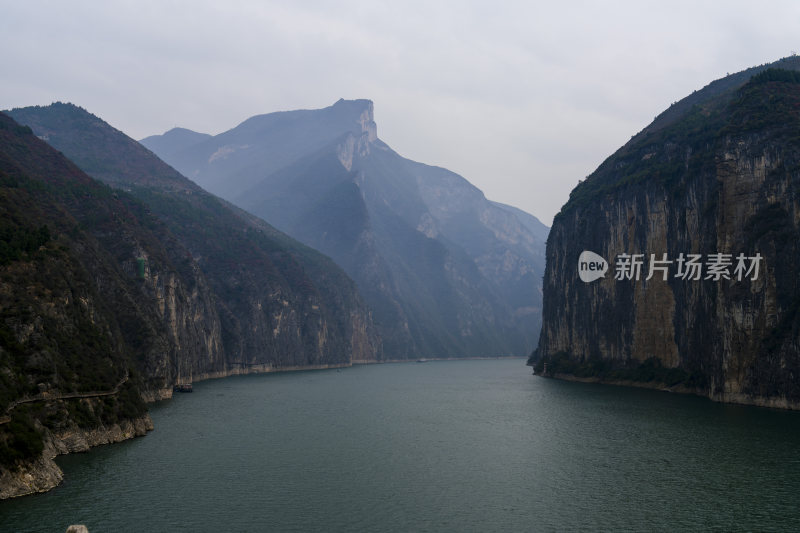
44 474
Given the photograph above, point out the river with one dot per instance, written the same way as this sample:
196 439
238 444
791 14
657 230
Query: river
477 445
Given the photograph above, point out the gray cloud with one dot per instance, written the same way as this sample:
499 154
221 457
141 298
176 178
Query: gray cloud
522 98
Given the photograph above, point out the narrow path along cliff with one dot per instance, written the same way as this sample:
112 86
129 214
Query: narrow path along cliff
48 397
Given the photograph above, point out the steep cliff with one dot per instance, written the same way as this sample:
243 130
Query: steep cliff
82 332
719 176
106 299
278 304
446 272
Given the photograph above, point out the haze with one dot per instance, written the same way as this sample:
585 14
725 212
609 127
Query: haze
521 98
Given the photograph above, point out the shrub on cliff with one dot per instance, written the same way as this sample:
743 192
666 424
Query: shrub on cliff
19 440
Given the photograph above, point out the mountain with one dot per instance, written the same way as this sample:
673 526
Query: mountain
262 278
717 173
154 282
230 163
446 272
80 309
175 140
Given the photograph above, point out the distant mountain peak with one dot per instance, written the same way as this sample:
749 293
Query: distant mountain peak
444 271
184 131
354 143
366 115
357 103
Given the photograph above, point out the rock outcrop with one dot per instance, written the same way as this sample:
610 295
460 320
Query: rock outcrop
721 176
42 473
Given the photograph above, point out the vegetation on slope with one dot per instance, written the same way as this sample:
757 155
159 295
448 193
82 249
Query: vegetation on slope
58 334
255 271
767 100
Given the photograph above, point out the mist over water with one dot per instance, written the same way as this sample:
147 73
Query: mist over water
441 446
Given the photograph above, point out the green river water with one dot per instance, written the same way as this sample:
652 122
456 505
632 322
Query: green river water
441 446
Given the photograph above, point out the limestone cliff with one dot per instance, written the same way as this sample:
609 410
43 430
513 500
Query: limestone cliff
261 300
720 177
109 296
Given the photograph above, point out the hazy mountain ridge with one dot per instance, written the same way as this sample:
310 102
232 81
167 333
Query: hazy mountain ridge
720 177
446 272
248 262
258 146
172 286
176 139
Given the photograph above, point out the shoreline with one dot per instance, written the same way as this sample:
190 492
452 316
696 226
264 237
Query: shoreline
730 398
157 395
43 474
427 359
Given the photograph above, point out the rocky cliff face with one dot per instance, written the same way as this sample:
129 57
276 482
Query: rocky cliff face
42 474
82 330
505 243
265 302
721 178
111 296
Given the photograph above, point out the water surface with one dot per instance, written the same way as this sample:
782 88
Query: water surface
440 446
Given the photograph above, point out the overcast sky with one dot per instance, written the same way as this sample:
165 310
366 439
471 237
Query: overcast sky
521 98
